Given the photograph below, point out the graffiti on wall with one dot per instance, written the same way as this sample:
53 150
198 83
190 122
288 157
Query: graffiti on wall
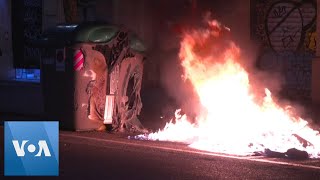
286 30
32 27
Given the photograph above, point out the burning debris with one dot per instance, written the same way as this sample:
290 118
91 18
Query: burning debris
292 153
233 121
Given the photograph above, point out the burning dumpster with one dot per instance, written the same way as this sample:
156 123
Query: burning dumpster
91 76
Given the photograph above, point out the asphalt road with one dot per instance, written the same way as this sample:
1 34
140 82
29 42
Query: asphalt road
91 155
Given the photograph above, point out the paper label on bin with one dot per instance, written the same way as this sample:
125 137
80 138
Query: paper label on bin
108 109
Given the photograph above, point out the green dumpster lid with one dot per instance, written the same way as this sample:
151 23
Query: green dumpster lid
59 35
95 33
88 32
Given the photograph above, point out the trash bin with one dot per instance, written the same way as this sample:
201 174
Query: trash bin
91 75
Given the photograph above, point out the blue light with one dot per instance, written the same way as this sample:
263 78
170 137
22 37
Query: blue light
28 75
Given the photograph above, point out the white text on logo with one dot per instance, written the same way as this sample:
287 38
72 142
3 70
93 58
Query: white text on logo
42 144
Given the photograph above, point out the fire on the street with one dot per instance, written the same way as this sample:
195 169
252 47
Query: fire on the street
232 120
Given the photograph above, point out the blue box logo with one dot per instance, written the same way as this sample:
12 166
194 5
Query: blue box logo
31 148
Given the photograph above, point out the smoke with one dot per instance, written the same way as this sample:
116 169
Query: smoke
238 20
177 88
236 16
170 32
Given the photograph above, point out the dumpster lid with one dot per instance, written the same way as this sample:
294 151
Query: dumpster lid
59 35
88 32
94 32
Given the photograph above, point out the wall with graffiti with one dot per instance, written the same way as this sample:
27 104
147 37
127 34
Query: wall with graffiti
286 31
26 25
32 29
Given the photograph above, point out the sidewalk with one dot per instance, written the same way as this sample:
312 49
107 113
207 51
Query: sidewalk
150 117
20 117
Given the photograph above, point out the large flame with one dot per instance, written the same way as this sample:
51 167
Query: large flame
232 121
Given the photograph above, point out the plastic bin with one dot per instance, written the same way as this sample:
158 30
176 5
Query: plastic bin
91 75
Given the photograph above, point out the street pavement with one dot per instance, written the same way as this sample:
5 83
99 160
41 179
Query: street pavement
91 155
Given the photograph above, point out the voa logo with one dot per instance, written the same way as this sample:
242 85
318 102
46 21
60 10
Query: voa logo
31 148
40 148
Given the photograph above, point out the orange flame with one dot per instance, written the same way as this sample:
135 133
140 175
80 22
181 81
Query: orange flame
231 122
